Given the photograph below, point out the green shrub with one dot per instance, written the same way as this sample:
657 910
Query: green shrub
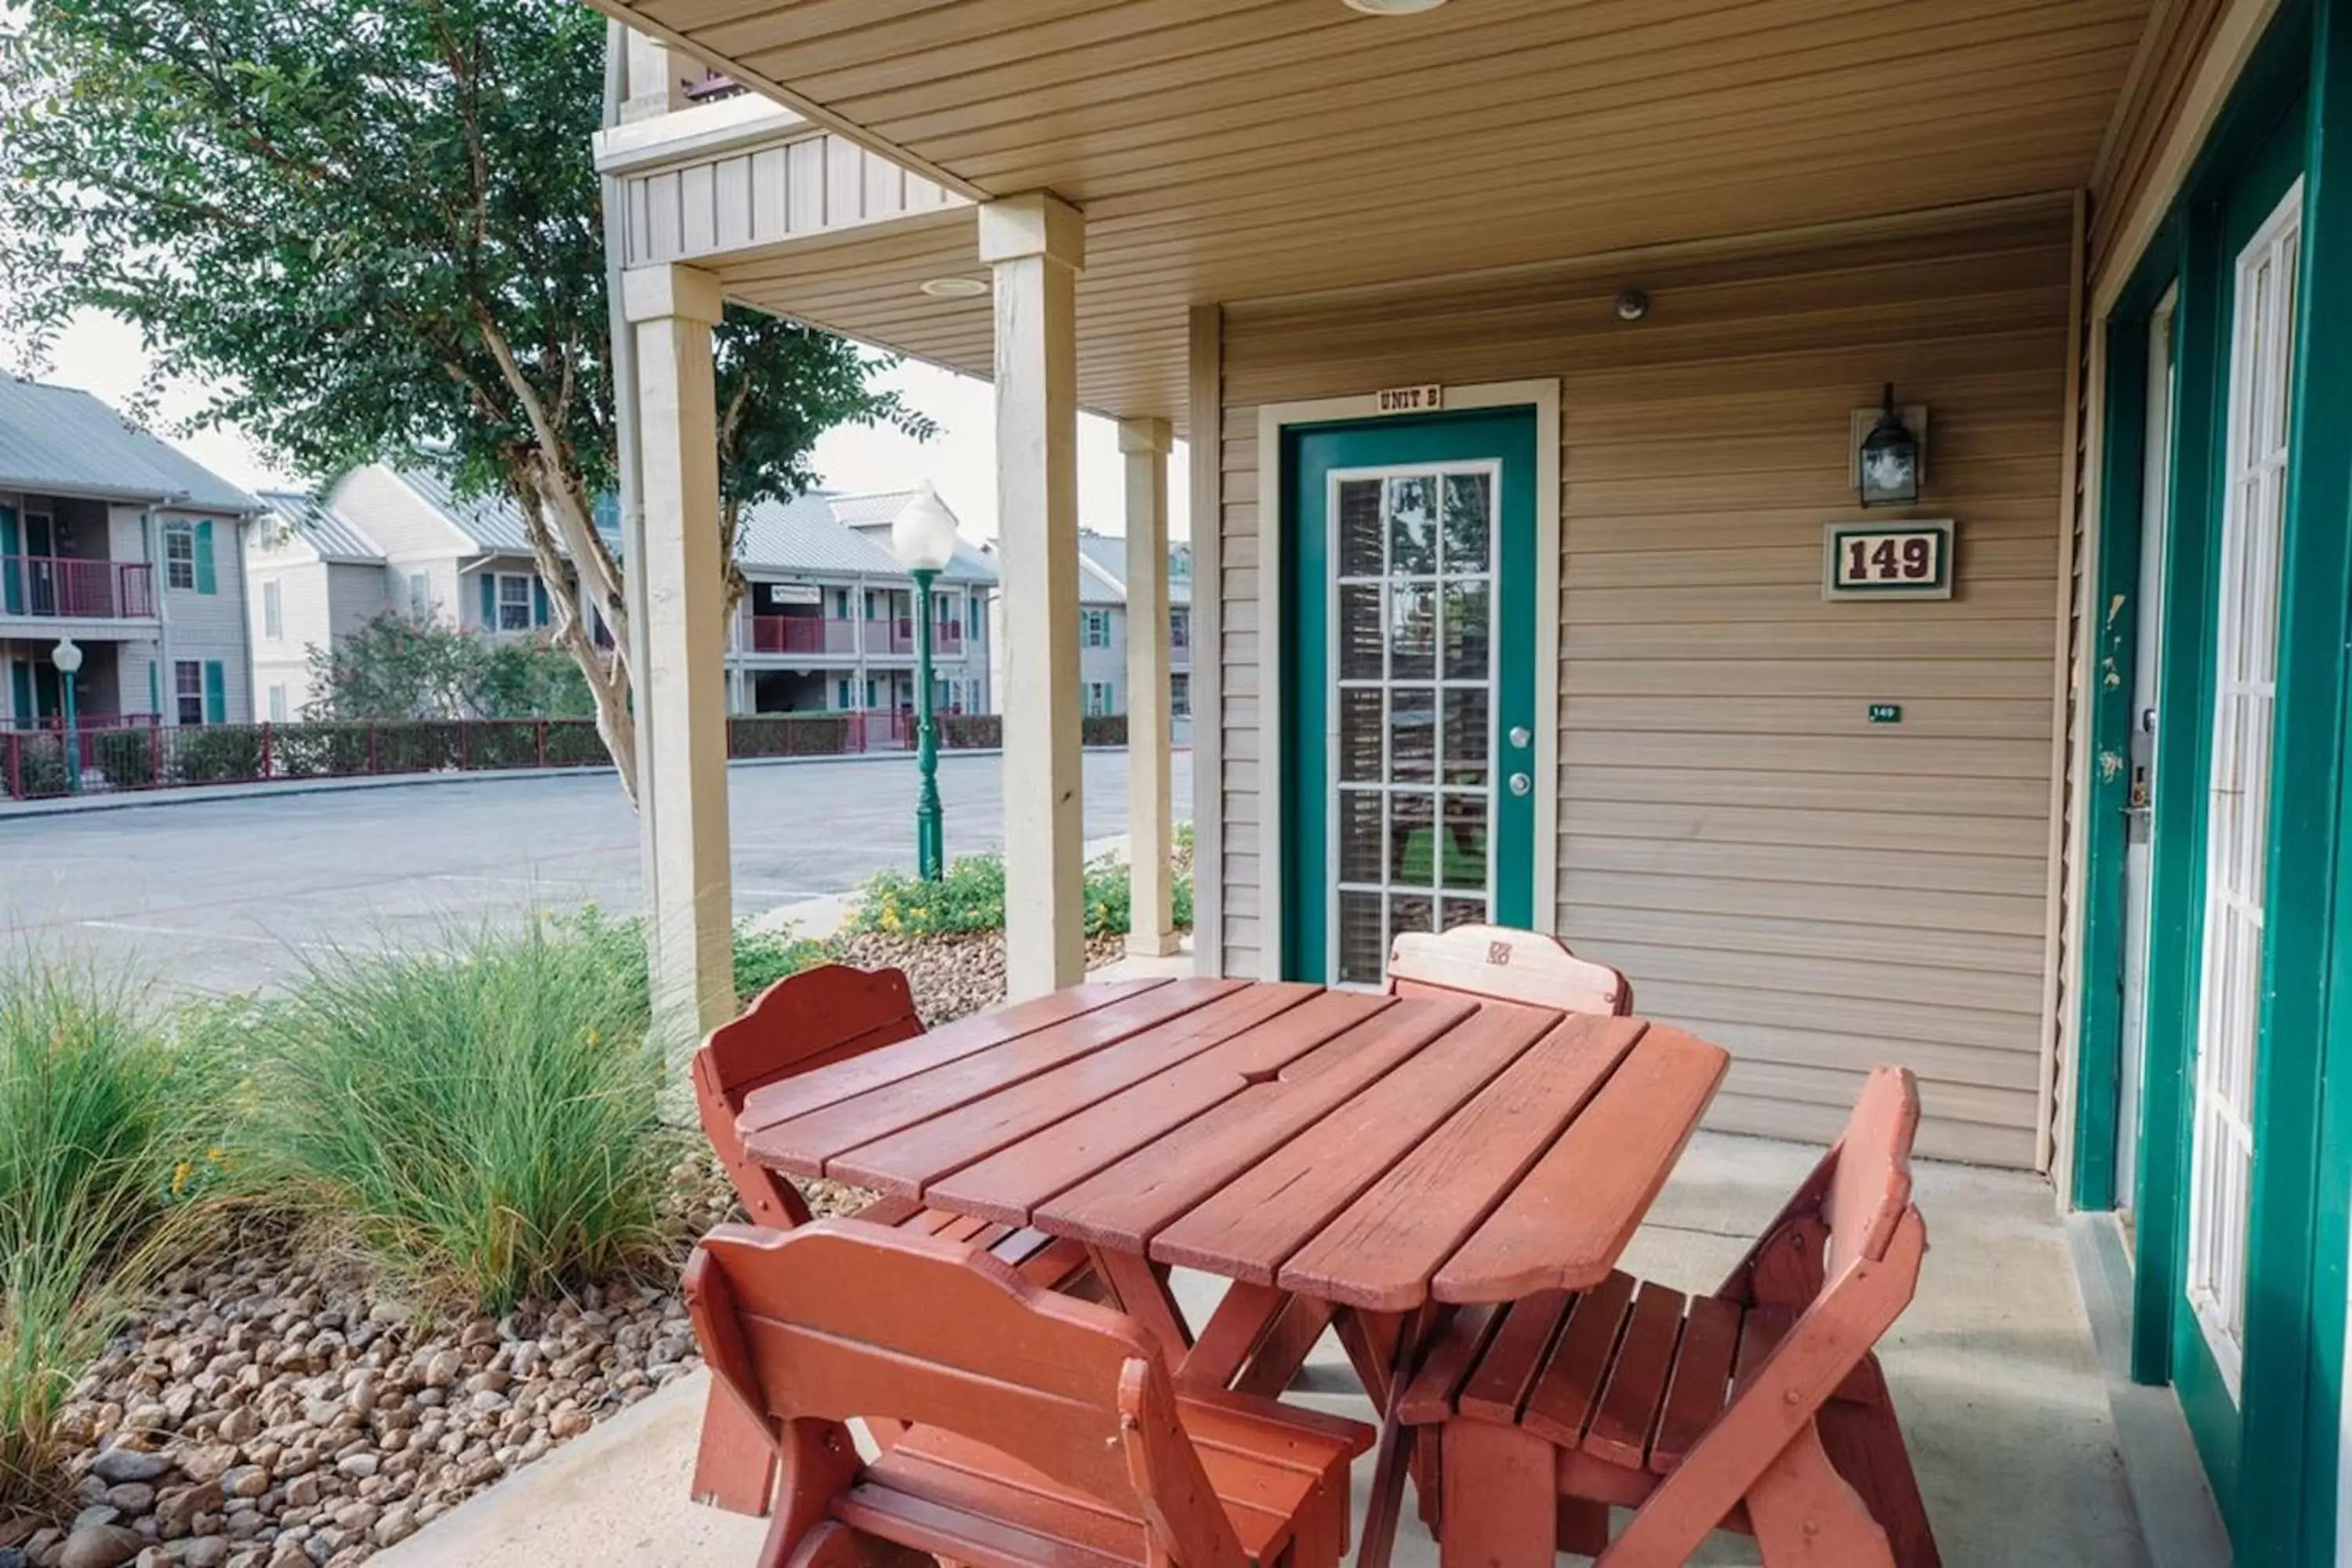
421 746
217 754
971 898
1102 730
788 736
107 1131
574 742
970 731
319 751
510 743
481 1122
39 762
127 757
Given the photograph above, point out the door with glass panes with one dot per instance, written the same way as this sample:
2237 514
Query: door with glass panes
1412 685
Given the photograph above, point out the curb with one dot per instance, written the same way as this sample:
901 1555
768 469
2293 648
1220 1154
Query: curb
133 800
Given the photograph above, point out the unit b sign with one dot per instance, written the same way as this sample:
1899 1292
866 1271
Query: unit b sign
1909 561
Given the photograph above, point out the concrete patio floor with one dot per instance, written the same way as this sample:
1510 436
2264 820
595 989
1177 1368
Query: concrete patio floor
2002 1394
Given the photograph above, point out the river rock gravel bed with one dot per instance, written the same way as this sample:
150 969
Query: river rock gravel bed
265 1410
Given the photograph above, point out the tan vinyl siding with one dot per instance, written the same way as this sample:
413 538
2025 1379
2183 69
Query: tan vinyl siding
1816 893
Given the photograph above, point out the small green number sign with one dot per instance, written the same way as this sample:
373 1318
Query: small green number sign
1886 713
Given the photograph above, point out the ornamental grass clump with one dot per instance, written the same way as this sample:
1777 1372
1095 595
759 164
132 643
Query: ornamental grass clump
971 898
481 1123
110 1132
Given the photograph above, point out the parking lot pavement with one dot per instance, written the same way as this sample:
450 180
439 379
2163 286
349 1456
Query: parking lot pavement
226 895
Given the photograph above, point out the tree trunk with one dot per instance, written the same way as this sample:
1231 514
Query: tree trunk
607 673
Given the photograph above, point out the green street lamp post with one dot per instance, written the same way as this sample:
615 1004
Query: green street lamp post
922 536
66 656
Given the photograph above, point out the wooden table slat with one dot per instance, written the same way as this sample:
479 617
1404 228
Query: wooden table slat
1381 1251
1009 1182
1567 1221
804 1145
1125 1203
1256 1220
837 1081
906 1161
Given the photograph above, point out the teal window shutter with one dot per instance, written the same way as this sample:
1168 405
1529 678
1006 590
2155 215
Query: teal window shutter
12 573
155 687
207 580
538 602
215 691
20 679
490 585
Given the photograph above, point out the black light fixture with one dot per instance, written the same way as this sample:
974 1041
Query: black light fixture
1890 460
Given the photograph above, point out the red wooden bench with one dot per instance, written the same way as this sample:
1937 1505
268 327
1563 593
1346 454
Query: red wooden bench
1045 1429
1508 964
806 1021
1759 1408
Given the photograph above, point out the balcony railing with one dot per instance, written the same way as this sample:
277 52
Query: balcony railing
69 588
803 634
898 636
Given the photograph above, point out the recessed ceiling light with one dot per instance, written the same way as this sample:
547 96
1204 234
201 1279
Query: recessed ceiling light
1392 7
955 288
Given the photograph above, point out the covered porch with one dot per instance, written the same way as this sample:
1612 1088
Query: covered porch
1523 356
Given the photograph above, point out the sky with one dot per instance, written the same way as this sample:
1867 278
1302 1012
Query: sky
103 354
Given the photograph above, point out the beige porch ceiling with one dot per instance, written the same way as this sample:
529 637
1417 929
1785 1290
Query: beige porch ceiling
1226 150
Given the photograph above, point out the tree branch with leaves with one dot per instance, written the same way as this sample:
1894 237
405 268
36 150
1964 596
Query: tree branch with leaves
373 229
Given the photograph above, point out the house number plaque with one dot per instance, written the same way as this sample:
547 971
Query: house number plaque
1411 399
1904 560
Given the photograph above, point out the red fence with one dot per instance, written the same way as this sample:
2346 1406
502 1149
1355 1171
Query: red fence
803 634
66 587
115 754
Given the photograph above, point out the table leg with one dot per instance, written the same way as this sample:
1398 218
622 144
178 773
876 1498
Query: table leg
1386 1500
1285 1349
1140 1288
1233 1331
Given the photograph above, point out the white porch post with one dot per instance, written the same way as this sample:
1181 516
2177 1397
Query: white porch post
1144 443
1036 243
684 678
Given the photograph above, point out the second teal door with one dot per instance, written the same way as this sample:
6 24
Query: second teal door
1409 664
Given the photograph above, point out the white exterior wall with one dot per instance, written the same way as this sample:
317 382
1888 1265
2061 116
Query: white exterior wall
209 627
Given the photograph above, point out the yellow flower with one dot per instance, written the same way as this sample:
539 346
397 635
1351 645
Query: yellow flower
180 1174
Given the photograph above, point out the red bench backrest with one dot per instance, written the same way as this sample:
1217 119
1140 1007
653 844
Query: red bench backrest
820 1015
840 1320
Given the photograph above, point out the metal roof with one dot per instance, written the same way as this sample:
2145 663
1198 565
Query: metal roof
492 522
1106 553
804 535
334 537
62 440
871 516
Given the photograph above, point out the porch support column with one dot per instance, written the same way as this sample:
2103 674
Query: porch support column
682 605
1036 243
1144 443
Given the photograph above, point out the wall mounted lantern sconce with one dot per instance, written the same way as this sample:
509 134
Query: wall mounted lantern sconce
1887 470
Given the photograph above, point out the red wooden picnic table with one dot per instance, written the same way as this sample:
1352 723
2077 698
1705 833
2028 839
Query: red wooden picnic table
1347 1159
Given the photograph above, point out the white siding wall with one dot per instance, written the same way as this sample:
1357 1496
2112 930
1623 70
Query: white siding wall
1815 894
210 627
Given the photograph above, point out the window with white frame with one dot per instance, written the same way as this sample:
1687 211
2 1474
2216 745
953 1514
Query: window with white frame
1180 694
278 704
1097 698
1095 625
179 555
420 596
273 610
188 690
1180 628
514 602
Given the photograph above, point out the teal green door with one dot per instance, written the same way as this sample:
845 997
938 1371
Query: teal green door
1410 684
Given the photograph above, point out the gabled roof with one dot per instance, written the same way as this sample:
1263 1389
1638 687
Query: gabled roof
59 439
1103 561
871 516
332 536
493 522
802 535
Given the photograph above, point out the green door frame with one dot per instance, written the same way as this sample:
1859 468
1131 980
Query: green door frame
1308 454
2272 1455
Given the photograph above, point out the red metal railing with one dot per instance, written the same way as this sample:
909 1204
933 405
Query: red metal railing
135 752
803 634
66 587
898 636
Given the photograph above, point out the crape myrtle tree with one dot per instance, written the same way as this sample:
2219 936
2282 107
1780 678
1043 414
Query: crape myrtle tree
373 229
